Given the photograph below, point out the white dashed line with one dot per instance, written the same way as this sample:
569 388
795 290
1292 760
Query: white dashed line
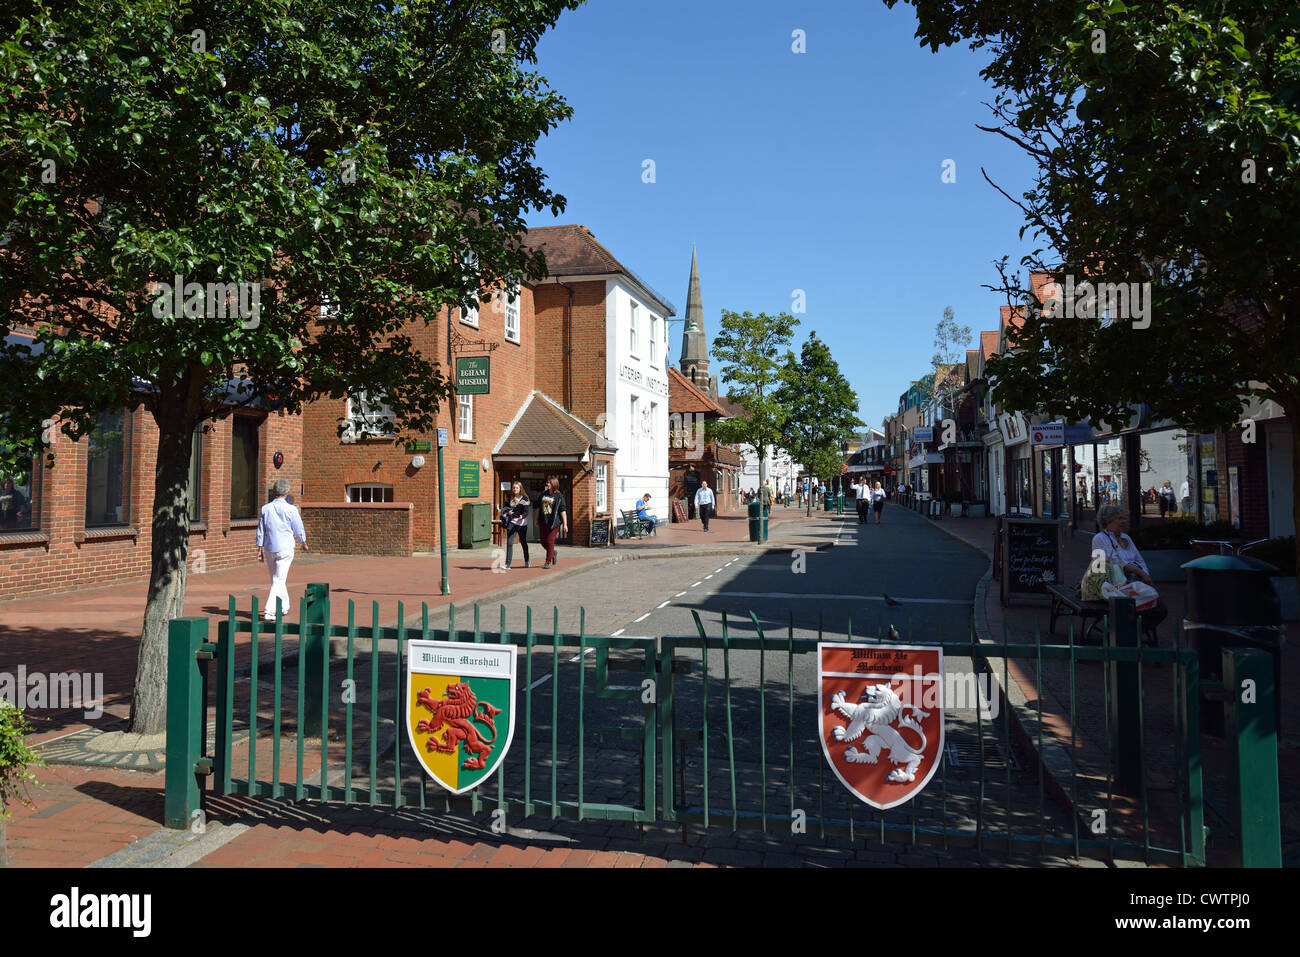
679 594
664 604
707 577
697 584
540 681
716 570
644 617
615 634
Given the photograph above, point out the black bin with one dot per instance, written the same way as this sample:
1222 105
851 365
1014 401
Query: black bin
755 522
1232 603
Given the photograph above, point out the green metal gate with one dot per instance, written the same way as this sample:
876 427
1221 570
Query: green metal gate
682 737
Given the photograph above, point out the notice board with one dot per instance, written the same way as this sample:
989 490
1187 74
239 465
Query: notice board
467 479
1032 551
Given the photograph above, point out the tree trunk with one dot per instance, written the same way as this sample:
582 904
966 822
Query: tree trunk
171 535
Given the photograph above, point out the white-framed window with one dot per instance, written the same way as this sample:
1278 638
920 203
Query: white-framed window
602 487
634 430
330 308
652 427
465 417
632 343
369 493
470 317
469 264
366 416
512 317
654 340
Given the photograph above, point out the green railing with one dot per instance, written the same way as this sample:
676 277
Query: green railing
728 737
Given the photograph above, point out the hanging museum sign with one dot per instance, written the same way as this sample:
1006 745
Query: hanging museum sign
473 375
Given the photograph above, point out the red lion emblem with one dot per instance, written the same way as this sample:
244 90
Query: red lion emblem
455 716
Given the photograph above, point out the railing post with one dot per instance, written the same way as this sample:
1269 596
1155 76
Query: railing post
1125 705
1250 723
314 641
1190 721
186 708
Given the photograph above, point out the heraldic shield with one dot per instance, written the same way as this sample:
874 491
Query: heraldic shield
881 715
460 714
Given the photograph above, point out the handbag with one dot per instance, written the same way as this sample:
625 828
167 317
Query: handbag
1143 594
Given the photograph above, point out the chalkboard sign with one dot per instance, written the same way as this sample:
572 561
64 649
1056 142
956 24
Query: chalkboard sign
1031 558
599 531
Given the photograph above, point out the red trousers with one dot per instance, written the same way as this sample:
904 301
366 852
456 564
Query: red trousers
548 537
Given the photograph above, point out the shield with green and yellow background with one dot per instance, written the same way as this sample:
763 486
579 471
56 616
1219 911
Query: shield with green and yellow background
460 710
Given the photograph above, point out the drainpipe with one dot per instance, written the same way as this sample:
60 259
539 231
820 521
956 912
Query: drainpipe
568 345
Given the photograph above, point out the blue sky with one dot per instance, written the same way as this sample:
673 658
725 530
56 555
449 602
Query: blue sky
818 171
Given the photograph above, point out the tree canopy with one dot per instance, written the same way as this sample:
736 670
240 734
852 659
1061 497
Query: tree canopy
378 156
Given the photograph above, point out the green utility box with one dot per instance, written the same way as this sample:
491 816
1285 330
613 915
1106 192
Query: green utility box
475 525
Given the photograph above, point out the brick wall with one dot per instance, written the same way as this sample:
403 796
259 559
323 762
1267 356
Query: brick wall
63 554
341 528
588 346
1251 461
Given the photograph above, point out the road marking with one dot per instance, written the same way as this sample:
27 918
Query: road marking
547 677
697 584
643 617
716 570
615 634
679 594
662 604
707 577
841 597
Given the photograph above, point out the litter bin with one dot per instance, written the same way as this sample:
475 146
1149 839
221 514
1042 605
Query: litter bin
1231 603
755 522
826 503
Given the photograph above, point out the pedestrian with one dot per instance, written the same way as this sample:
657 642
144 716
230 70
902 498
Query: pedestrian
704 503
877 500
553 520
1167 501
277 527
862 492
765 496
514 522
1185 493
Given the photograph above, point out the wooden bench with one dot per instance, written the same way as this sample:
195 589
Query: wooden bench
1066 604
632 527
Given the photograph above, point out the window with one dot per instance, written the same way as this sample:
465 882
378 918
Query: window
654 340
330 309
20 499
512 317
369 493
470 265
652 427
108 471
367 416
632 343
196 473
634 430
243 467
470 317
465 417
602 487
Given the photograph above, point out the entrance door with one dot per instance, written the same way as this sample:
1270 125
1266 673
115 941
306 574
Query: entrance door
534 482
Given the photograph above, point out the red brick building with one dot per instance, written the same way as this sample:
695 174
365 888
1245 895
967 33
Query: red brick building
87 519
692 458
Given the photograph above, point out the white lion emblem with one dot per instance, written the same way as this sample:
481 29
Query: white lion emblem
876 712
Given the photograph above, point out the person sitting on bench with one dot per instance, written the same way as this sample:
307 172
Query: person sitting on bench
1119 548
648 521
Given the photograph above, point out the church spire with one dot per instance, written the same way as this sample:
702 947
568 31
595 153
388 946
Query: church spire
695 343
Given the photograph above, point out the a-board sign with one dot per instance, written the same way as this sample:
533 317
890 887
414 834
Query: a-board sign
679 510
599 531
1031 558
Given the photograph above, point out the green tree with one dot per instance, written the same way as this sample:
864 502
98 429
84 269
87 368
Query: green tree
950 341
380 156
822 409
749 348
1166 140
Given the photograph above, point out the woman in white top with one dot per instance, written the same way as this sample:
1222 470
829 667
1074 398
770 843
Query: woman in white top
1113 540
